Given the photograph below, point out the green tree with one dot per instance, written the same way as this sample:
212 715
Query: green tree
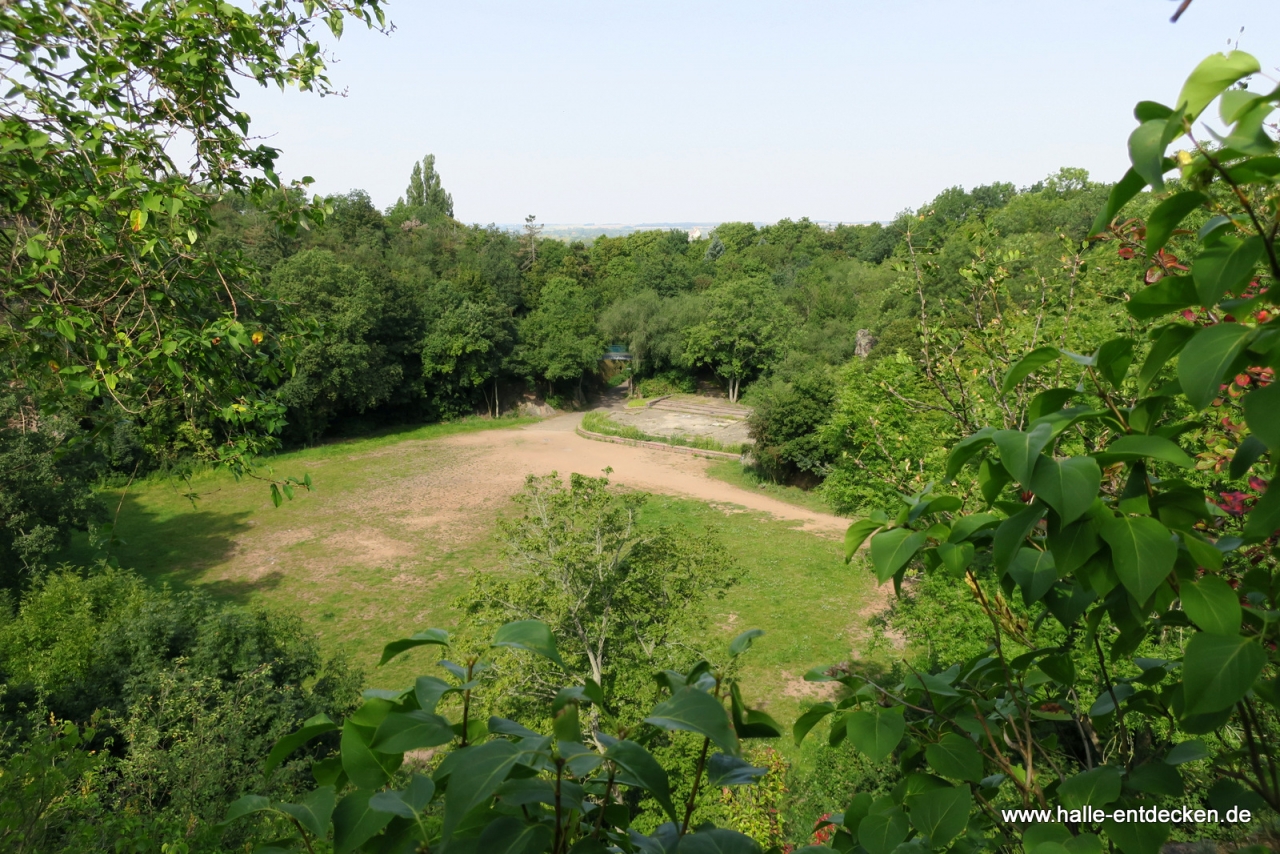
465 349
747 328
425 195
559 338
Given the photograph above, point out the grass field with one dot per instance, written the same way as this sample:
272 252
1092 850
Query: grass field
387 540
735 473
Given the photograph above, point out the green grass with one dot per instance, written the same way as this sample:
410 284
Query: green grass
743 477
598 422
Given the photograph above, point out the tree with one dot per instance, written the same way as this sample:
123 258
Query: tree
559 340
114 303
425 192
464 349
747 328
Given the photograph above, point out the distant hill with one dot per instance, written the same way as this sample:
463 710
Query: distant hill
588 231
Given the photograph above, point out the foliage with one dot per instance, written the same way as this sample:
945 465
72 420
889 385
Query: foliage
745 330
503 786
787 413
1149 612
622 601
558 339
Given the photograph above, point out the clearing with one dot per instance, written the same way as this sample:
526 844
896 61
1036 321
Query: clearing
396 524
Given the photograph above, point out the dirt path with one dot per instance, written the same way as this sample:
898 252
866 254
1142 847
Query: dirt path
499 460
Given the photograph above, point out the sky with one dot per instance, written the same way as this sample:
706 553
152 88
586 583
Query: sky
654 111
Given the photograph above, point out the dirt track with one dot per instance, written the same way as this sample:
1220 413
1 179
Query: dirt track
552 445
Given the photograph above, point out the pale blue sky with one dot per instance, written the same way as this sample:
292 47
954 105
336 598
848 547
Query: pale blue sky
708 111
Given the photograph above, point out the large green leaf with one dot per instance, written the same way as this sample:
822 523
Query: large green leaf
354 823
1096 787
941 814
1137 837
646 771
1073 545
1068 485
367 768
809 720
890 550
1217 671
963 451
1168 215
1168 343
311 728
1034 572
717 840
1146 151
1139 447
1113 359
1206 359
856 535
510 835
877 732
696 711
403 731
1019 451
312 812
881 833
246 805
1212 605
1012 532
956 557
533 635
1027 365
1264 518
478 772
1143 552
1262 414
955 756
1170 294
437 637
1211 78
1124 190
1225 267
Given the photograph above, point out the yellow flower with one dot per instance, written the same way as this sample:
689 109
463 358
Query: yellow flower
257 337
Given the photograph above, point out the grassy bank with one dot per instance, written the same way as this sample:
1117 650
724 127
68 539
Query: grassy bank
599 422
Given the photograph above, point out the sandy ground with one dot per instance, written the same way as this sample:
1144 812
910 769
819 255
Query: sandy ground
664 422
500 460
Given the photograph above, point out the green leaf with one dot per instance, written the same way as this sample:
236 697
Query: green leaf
696 711
1156 778
742 642
1248 453
809 720
1211 78
1124 190
1113 360
1212 605
244 806
428 690
956 557
1140 447
1225 267
964 450
1143 552
1262 414
367 768
941 814
724 770
1168 215
1137 837
645 770
314 811
1146 151
508 834
431 636
403 731
1034 572
717 840
1217 671
890 550
955 757
1097 788
856 535
1264 518
1019 451
478 772
1167 344
881 833
1170 294
1049 402
1073 545
311 728
1191 750
876 733
1207 359
533 635
1012 532
354 823
1068 485
1027 365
